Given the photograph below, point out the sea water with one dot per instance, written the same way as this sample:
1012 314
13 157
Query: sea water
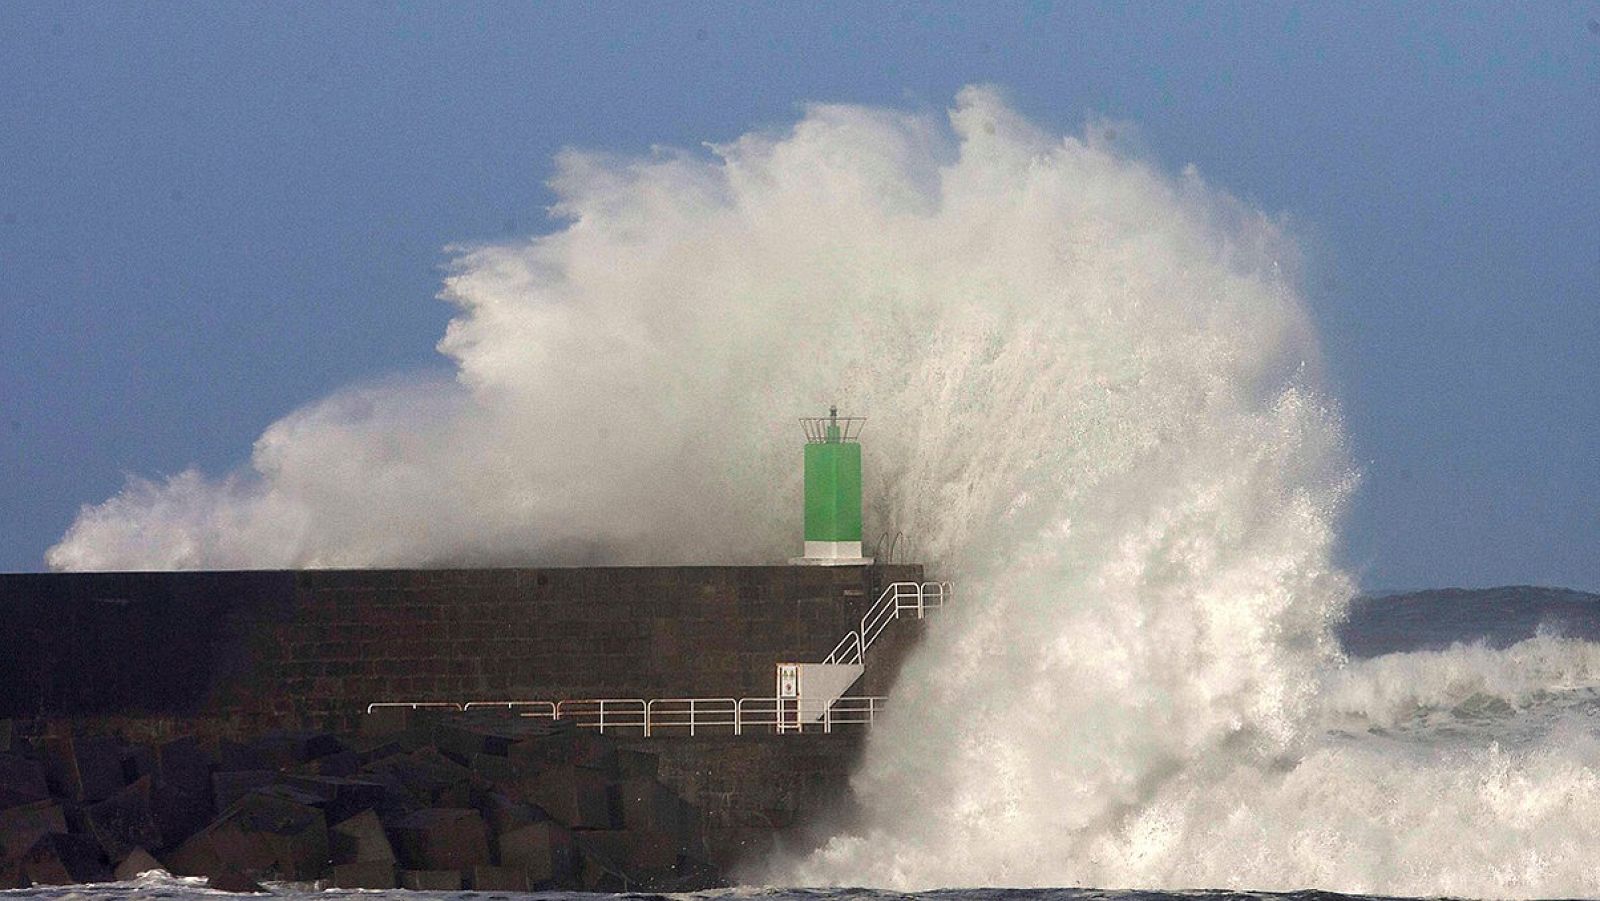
1431 719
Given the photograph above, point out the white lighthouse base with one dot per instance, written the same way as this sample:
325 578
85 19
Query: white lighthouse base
832 553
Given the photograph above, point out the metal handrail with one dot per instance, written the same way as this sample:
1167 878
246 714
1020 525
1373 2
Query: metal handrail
792 715
939 590
858 711
841 652
591 713
417 705
695 714
686 712
784 714
886 608
740 719
544 709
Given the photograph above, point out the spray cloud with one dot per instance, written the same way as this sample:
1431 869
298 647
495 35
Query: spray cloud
993 297
1093 398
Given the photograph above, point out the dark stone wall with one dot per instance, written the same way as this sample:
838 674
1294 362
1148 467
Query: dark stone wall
313 648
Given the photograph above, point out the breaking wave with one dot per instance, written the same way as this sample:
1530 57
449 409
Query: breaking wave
1095 403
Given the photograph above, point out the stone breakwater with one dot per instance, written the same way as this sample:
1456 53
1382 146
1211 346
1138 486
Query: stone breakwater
156 686
438 803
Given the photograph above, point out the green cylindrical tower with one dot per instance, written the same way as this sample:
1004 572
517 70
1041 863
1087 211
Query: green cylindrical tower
833 489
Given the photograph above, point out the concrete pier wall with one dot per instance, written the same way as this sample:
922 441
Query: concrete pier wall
312 648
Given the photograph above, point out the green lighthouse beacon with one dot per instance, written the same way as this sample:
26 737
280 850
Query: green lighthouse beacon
833 490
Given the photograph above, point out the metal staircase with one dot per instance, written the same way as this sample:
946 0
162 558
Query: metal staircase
807 692
816 695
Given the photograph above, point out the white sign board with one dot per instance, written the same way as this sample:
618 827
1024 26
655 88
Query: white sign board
788 681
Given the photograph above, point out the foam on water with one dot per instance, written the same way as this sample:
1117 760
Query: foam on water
156 885
1094 403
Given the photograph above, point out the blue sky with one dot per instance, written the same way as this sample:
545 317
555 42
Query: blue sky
210 215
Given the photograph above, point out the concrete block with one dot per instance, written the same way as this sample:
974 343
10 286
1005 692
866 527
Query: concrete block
233 881
360 839
498 879
651 852
428 776
493 769
374 751
183 763
60 859
229 786
60 765
385 721
295 794
12 875
180 812
139 761
368 874
80 769
258 834
195 856
339 798
597 869
504 813
21 827
396 801
235 757
457 743
137 861
642 855
431 880
649 805
284 749
635 764
124 822
339 763
573 795
543 850
21 781
441 839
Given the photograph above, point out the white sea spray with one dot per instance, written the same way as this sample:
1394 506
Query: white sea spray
1095 403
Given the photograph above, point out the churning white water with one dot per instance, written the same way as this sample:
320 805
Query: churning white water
1094 402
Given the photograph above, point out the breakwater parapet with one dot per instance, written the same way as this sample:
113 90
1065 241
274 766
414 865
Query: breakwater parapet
312 648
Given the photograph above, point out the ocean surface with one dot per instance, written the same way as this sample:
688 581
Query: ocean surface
1379 630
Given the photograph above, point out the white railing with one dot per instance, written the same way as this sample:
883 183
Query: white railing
540 709
934 596
694 714
898 596
848 650
920 597
417 705
807 714
605 713
848 711
675 715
